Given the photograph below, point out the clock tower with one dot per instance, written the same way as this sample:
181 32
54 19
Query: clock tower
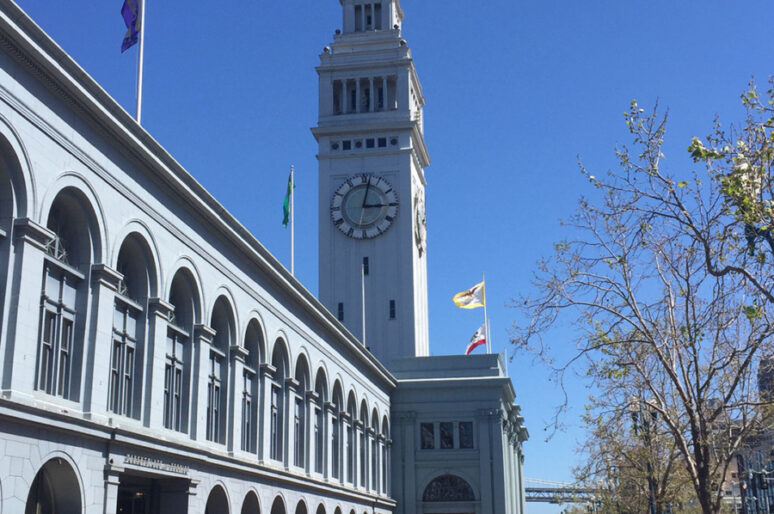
372 155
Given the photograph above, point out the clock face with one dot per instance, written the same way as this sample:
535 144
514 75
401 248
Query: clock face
364 206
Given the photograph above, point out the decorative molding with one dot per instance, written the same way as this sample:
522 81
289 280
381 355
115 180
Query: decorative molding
28 231
107 276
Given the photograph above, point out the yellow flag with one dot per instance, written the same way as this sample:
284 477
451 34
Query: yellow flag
472 298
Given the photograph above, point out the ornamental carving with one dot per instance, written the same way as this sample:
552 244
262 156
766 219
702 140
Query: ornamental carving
448 488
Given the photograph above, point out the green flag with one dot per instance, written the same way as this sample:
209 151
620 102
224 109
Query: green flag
286 202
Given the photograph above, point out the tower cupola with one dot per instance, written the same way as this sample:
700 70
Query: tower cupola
371 15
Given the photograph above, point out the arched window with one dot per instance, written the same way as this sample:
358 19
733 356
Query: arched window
299 412
279 363
320 509
217 502
250 504
385 455
335 446
217 370
55 489
374 450
350 423
278 507
448 488
321 390
254 347
129 321
65 294
363 444
301 507
184 298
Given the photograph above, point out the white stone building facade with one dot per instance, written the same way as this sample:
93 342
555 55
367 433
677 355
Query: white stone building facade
155 355
157 358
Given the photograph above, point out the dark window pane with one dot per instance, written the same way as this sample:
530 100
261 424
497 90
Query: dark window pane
428 436
447 435
466 434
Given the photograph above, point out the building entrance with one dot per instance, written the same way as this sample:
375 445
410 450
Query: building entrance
149 495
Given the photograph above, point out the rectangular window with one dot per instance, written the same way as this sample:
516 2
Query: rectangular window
346 145
366 267
173 380
340 315
247 411
370 142
46 373
335 446
350 453
466 434
378 16
392 309
382 142
319 441
121 392
363 463
65 345
352 100
298 423
369 21
447 435
427 435
374 462
214 398
358 18
276 450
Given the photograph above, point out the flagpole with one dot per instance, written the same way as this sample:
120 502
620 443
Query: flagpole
362 296
292 223
486 319
139 68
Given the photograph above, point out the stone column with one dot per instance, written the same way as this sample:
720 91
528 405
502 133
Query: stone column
99 341
112 482
483 420
155 362
234 422
200 370
288 423
20 347
266 373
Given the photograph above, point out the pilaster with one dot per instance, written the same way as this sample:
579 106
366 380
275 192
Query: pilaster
234 420
98 343
266 373
155 362
29 248
202 341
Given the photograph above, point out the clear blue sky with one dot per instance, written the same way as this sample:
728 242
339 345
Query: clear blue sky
515 92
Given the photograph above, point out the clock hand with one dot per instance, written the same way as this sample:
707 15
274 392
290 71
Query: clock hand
365 198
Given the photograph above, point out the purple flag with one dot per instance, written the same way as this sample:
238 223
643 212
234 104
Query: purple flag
130 11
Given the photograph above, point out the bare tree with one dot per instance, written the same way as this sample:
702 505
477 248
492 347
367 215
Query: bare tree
667 285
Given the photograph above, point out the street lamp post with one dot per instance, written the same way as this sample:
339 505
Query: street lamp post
641 419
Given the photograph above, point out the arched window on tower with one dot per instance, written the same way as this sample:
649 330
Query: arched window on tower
65 294
135 264
279 363
253 345
217 377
